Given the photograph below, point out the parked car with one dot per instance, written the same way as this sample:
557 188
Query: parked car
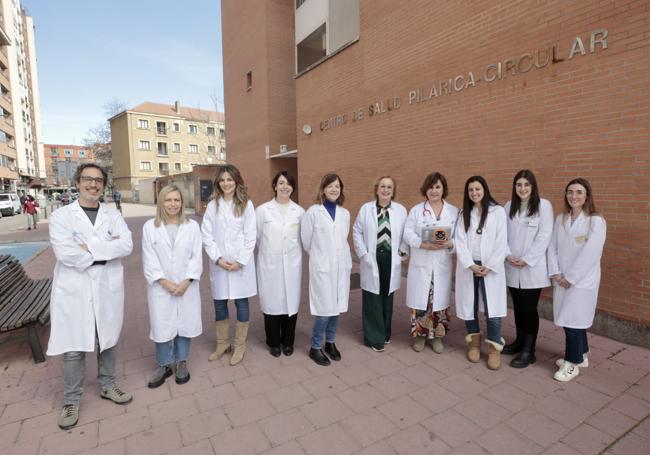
10 204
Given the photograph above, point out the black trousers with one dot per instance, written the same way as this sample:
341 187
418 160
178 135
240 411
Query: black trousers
377 309
525 302
280 329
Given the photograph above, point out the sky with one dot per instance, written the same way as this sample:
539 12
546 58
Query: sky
90 52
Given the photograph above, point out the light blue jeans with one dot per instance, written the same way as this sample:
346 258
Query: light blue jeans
324 325
171 351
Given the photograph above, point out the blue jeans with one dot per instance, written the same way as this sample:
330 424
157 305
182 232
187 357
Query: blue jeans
221 309
324 325
493 324
173 350
576 345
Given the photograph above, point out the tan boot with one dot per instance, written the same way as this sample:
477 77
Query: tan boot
494 354
241 331
223 344
473 341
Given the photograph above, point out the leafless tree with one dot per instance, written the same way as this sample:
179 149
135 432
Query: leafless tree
98 138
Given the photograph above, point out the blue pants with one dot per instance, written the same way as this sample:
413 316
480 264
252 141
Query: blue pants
576 345
324 325
493 324
221 309
173 350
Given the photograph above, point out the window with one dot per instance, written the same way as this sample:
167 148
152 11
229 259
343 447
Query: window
222 133
162 148
193 148
176 127
249 80
82 153
311 49
143 124
161 128
163 168
144 145
176 148
177 167
192 129
223 153
54 151
299 3
212 150
211 131
67 152
145 166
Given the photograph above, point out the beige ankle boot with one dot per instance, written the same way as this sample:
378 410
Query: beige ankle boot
473 341
494 354
223 344
241 332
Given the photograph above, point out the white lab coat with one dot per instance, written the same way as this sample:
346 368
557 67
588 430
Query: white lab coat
170 316
493 247
233 238
425 263
330 261
279 258
86 297
575 251
528 239
364 235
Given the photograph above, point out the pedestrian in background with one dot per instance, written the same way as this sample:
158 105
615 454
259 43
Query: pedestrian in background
377 235
530 225
428 285
324 231
172 259
481 248
229 233
279 264
574 266
30 207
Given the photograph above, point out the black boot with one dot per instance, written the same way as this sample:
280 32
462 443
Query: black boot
331 350
319 357
515 346
527 355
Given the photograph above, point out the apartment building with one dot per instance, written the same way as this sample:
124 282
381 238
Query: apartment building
369 88
61 162
22 161
153 140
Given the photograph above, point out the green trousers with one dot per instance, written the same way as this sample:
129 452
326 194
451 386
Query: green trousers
377 309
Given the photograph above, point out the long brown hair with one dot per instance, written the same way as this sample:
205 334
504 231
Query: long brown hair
161 215
240 198
515 200
486 202
589 207
324 183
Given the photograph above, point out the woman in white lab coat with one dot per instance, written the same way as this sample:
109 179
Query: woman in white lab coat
377 234
574 266
530 225
279 264
173 263
428 285
229 233
324 231
481 248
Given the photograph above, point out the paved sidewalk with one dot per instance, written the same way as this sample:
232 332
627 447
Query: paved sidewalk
398 401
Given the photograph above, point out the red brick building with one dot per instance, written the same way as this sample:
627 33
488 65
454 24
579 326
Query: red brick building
562 88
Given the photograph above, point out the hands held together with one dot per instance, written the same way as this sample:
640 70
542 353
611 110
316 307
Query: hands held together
559 279
229 266
437 245
175 289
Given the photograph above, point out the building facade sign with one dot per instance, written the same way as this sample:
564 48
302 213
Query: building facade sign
527 61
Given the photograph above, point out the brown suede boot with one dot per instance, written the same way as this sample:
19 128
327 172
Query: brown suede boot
494 354
473 341
223 344
241 332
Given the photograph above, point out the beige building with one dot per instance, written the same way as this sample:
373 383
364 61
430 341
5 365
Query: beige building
22 161
153 140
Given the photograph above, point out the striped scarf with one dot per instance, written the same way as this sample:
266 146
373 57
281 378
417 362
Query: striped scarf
383 228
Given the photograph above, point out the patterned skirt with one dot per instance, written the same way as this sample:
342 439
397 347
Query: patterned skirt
428 323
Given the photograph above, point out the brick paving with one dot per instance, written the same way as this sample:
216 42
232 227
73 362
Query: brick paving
398 401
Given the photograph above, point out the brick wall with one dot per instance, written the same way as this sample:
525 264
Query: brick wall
586 116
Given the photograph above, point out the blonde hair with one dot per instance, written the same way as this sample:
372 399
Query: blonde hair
240 198
161 215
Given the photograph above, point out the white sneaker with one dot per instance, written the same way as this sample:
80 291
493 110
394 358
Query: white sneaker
567 372
583 364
